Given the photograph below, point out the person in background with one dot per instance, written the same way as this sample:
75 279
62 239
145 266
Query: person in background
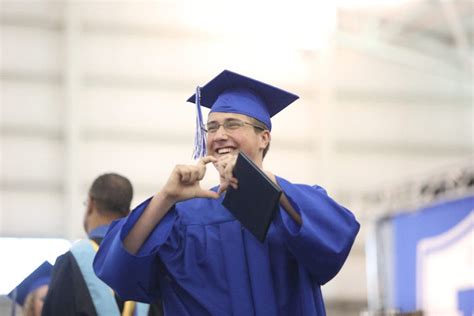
74 288
31 292
184 247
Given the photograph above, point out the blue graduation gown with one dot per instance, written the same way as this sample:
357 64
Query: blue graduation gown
200 261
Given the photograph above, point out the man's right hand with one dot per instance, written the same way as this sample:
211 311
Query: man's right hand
183 183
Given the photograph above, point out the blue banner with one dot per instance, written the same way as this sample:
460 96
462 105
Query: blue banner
429 255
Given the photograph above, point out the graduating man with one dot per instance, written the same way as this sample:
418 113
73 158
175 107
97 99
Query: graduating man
74 288
184 247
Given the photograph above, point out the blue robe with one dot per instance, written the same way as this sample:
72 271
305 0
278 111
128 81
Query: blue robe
200 260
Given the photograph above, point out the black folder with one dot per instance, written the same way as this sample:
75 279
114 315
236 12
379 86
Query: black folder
256 199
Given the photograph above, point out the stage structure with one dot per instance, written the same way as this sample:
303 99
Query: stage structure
420 249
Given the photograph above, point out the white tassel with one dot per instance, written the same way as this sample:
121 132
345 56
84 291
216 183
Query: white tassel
200 134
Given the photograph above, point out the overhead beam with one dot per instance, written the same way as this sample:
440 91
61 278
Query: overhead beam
400 55
456 28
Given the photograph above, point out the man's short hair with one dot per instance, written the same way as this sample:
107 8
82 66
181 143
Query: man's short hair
112 193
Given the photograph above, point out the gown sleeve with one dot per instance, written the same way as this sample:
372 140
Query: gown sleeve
323 241
133 277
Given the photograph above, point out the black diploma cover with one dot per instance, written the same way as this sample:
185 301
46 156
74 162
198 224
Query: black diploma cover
256 199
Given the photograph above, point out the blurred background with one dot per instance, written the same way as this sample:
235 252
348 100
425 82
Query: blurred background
384 121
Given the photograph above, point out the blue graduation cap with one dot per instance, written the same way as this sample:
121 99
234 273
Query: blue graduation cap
41 276
230 92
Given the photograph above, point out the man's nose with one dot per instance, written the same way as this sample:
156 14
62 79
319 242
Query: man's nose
221 132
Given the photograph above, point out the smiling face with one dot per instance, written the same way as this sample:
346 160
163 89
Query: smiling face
244 138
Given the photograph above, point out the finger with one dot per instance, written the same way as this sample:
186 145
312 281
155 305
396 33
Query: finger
227 172
202 165
201 175
194 174
222 188
233 182
223 159
207 194
218 166
185 175
207 159
229 159
224 162
201 171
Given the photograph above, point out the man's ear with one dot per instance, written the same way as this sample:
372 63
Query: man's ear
265 138
90 205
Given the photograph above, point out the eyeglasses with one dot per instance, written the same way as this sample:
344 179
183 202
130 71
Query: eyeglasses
229 125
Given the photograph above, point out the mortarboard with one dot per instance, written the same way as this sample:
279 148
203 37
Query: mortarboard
230 92
41 276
